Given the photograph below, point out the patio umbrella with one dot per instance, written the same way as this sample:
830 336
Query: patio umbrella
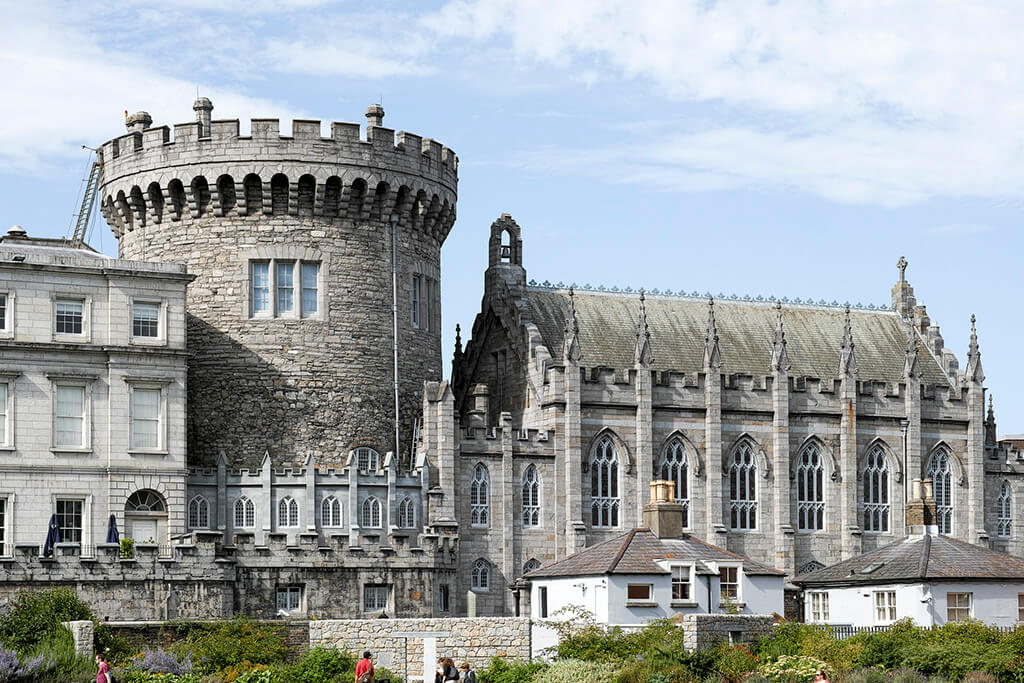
52 536
112 535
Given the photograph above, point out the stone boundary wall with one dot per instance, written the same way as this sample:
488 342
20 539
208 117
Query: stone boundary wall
475 640
81 635
706 631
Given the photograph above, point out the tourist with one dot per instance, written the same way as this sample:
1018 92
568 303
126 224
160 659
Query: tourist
820 677
467 675
103 675
446 670
364 669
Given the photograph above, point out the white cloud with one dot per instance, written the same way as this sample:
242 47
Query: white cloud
346 57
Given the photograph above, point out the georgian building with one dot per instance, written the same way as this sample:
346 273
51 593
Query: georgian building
790 428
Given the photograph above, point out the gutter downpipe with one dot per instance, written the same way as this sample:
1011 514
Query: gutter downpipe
394 317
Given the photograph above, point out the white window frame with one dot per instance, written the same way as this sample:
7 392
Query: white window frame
7 524
201 506
969 608
722 599
7 317
293 599
8 381
298 311
817 607
683 574
646 599
82 337
480 497
1020 608
407 513
675 467
1004 511
371 513
810 483
945 511
743 507
248 510
85 383
605 487
883 604
366 459
480 578
86 502
877 491
287 513
376 590
161 322
146 384
531 497
333 518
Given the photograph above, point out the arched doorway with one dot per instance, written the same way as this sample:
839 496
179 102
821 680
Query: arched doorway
145 517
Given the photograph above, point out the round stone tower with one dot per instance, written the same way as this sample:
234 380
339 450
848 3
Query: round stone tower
290 237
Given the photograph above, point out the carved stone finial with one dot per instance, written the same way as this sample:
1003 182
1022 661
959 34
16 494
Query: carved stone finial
973 372
780 357
712 352
902 265
912 363
848 356
642 352
572 351
458 339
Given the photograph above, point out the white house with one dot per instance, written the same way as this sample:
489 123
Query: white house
930 578
654 573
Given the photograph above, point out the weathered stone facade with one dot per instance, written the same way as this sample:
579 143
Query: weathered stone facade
707 631
282 365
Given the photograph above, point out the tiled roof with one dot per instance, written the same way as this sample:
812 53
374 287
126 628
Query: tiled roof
915 558
746 330
635 551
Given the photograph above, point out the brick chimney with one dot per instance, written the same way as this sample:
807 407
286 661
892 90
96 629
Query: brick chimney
921 509
663 515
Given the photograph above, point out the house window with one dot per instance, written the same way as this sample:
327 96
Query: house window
885 607
375 597
1020 607
681 583
69 416
198 513
531 564
675 467
481 576
330 512
531 497
5 412
958 606
367 460
743 488
69 316
69 517
638 591
417 284
443 600
1004 521
146 320
369 513
819 607
407 514
542 595
810 506
287 512
729 583
604 485
479 497
876 491
245 514
295 285
289 599
942 478
146 412
3 311
3 528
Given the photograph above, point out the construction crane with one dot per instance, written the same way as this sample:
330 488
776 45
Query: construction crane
88 201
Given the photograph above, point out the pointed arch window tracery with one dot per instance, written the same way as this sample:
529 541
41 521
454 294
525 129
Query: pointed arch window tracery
604 484
479 497
743 488
876 491
531 497
810 498
942 480
675 467
1004 510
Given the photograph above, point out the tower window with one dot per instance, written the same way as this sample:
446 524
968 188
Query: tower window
295 286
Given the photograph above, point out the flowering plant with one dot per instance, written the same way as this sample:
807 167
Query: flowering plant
793 669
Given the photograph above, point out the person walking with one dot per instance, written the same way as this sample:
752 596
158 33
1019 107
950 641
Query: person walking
103 675
468 676
820 677
446 670
364 669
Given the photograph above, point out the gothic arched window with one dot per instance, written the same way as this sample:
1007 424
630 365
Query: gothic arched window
330 512
480 497
675 467
810 499
604 485
743 488
407 514
531 564
287 512
876 490
1004 521
531 497
367 459
481 575
369 513
198 513
942 479
245 513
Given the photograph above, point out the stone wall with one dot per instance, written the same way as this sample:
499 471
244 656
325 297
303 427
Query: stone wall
81 635
706 631
474 640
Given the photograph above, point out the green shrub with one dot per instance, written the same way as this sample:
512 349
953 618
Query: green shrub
905 675
795 669
321 665
980 677
869 675
36 615
954 661
734 662
576 671
500 671
215 647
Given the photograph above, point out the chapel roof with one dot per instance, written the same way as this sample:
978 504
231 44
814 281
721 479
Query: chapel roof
814 334
635 552
917 558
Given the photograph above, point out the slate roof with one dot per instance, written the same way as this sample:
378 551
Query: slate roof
917 558
635 551
746 332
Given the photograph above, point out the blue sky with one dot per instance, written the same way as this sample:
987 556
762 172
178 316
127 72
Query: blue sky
791 148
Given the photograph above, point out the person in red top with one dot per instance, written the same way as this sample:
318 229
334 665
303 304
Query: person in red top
364 669
103 675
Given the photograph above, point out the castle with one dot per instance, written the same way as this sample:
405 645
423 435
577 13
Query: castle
253 392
